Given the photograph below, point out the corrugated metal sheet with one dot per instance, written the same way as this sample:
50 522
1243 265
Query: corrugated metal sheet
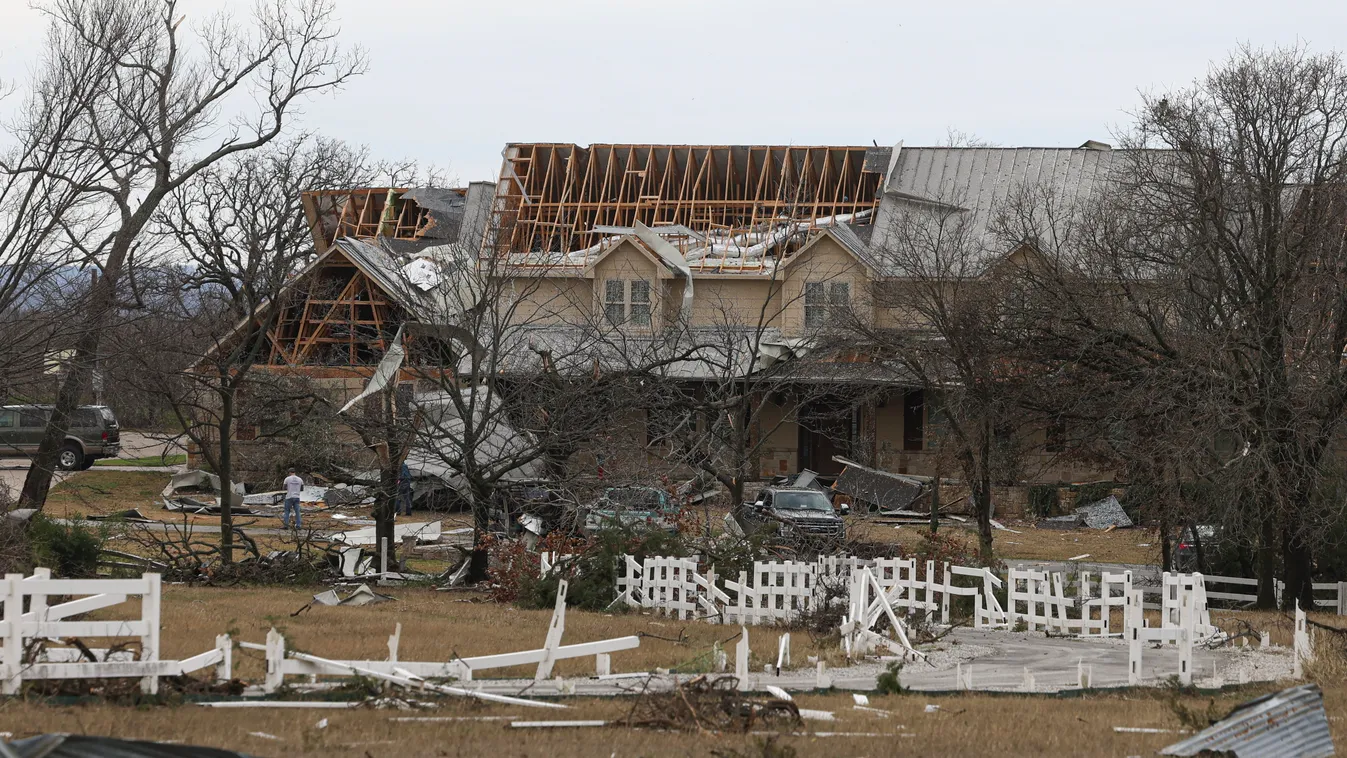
82 746
1286 724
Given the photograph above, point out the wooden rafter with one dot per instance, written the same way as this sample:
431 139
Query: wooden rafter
558 193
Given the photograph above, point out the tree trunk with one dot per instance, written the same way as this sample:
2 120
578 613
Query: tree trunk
101 302
1298 570
1164 507
935 499
385 505
983 492
1267 564
479 558
226 474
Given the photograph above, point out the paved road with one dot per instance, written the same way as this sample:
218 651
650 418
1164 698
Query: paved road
134 445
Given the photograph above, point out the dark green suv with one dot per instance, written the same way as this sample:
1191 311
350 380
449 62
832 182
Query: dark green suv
93 434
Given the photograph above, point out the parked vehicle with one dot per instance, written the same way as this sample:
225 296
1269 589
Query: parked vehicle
631 508
93 434
791 512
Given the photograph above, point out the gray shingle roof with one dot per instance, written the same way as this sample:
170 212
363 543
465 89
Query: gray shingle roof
980 181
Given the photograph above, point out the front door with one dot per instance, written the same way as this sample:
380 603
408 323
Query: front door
825 431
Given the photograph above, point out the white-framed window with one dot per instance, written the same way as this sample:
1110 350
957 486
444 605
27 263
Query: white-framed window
823 301
626 301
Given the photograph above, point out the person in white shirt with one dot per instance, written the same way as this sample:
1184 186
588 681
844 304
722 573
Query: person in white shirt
293 485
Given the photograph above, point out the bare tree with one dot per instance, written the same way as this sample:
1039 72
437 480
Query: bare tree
517 378
149 116
955 291
1212 272
236 235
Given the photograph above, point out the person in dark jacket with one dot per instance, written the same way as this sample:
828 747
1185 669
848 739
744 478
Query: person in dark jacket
404 491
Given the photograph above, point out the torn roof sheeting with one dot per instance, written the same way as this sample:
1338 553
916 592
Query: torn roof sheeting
1290 723
445 208
439 449
882 489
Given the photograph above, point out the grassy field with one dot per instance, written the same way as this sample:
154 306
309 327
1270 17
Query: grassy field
97 492
437 625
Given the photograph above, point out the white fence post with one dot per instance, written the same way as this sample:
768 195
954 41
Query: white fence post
149 643
224 670
13 652
275 654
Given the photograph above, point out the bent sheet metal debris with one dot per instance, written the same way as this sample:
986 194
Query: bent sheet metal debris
1286 724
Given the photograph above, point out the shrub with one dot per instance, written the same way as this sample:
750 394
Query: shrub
1044 500
69 550
887 683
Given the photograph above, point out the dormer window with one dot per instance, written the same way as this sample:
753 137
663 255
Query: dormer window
626 301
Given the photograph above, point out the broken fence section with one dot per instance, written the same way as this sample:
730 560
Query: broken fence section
22 631
281 662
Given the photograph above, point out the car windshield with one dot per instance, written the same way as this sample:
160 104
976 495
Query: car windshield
806 501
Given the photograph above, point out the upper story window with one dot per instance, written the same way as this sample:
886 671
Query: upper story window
627 300
824 301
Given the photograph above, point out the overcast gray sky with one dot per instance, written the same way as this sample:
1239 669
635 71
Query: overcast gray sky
451 82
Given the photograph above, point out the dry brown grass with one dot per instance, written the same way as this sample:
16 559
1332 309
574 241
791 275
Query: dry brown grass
97 492
965 725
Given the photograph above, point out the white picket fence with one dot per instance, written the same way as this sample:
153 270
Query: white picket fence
43 622
778 591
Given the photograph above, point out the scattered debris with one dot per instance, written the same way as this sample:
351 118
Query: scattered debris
264 735
876 489
1105 514
1080 557
131 514
195 489
362 595
551 724
425 531
706 703
932 708
1287 723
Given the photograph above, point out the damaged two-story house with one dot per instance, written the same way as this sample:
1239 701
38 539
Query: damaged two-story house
745 258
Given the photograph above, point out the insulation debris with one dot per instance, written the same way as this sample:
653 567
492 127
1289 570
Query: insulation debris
1101 515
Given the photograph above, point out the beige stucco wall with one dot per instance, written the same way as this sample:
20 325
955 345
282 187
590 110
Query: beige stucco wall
827 262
